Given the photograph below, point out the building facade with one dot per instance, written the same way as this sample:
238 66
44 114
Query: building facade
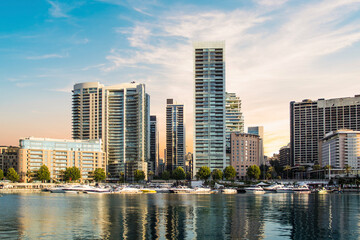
244 152
340 148
284 155
8 158
209 106
259 130
311 120
154 146
58 154
119 116
175 135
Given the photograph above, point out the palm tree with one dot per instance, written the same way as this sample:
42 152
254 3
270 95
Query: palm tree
347 169
287 168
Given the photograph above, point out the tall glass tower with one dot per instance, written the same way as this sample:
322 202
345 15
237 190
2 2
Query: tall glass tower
175 135
119 116
209 96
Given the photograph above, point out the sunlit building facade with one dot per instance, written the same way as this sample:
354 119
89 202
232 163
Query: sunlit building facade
311 120
209 106
119 116
58 154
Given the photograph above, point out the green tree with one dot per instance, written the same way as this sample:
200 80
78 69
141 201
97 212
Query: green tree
99 175
269 172
1 174
179 173
12 175
347 169
230 173
72 174
139 175
204 173
165 175
122 177
43 174
287 168
253 172
217 175
188 176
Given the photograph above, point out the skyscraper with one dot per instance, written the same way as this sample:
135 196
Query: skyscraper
234 120
209 97
259 130
154 145
311 120
175 135
119 116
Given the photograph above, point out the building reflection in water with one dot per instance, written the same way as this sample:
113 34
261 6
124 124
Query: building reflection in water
174 216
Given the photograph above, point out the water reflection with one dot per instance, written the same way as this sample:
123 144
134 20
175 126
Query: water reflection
172 216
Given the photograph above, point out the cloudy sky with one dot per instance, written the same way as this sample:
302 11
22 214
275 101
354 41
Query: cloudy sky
276 51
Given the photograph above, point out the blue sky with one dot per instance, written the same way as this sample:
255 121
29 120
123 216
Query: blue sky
276 51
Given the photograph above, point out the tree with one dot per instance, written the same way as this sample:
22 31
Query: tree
253 172
99 175
12 175
347 169
1 174
43 174
230 173
188 176
72 174
165 175
151 174
122 177
287 168
139 175
204 173
269 172
179 173
217 175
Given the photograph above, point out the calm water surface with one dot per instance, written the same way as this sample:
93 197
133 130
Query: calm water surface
173 216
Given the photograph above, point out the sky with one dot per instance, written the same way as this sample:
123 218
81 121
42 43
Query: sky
277 51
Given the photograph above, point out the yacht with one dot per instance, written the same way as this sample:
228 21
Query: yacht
302 189
228 191
255 190
98 190
77 188
285 189
202 190
57 189
127 190
273 187
182 190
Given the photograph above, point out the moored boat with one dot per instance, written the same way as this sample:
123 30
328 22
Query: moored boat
285 189
202 190
254 190
273 187
302 189
228 191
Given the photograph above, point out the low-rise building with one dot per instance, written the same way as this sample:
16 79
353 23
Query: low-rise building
58 154
284 155
244 152
8 158
340 148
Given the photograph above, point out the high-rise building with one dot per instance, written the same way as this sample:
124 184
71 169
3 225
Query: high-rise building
209 106
58 154
244 152
340 148
175 135
234 120
259 130
154 145
284 155
119 115
311 120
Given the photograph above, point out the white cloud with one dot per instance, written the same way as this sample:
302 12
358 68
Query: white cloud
46 56
57 10
270 59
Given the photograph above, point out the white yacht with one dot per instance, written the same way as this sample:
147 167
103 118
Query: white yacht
302 189
182 190
285 189
57 189
202 190
254 190
97 190
77 188
228 191
127 190
273 187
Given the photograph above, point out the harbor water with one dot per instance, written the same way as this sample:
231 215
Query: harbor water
179 216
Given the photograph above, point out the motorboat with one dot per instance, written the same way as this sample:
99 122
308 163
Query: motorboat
228 191
302 189
201 190
322 191
77 188
148 190
255 190
273 187
98 190
127 190
285 189
58 189
182 190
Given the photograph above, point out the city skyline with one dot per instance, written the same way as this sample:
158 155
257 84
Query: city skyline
276 52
